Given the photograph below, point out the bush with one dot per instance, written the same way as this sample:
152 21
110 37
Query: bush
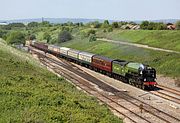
33 24
92 37
87 32
178 25
47 37
64 36
105 24
53 41
91 32
20 25
115 25
110 29
45 24
2 33
146 25
16 38
32 37
94 24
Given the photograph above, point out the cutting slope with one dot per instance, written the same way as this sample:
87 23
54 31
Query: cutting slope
30 93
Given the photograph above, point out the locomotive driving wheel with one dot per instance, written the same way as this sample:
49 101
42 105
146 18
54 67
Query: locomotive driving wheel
143 86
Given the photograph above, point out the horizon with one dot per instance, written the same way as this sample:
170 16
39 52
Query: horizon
84 9
96 19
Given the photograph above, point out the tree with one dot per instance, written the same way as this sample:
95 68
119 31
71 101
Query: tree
45 24
151 26
64 28
20 25
160 26
64 36
178 25
16 37
33 24
105 24
14 25
91 31
144 25
110 29
31 37
92 37
95 24
115 25
2 33
69 23
47 37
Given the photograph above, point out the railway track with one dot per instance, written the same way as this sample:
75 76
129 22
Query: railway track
174 91
137 106
102 97
167 96
162 116
167 93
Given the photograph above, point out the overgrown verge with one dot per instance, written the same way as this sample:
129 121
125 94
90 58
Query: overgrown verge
30 93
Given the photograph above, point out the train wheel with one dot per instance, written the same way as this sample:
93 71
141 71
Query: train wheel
143 87
137 85
130 82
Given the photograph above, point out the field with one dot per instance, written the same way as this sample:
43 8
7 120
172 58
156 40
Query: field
166 39
165 63
30 93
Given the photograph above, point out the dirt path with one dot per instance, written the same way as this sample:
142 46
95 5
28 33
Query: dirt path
137 45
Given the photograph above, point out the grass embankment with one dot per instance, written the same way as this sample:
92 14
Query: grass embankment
30 93
166 39
165 63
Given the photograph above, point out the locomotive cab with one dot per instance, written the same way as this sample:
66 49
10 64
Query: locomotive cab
149 76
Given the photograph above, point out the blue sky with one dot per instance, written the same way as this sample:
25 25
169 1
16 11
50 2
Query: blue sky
92 9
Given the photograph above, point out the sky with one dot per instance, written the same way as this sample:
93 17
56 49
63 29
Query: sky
90 9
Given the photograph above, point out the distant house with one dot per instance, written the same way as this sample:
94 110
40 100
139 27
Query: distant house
130 26
135 27
171 26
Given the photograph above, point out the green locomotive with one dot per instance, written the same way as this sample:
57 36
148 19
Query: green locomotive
136 74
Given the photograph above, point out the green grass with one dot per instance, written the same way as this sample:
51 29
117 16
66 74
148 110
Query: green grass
166 39
165 63
30 93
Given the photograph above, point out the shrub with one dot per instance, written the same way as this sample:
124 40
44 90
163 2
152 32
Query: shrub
88 32
16 38
33 24
92 37
64 36
32 37
110 29
2 33
115 25
20 25
91 32
105 24
146 25
47 37
178 25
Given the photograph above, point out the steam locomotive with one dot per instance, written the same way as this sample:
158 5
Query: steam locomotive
137 74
